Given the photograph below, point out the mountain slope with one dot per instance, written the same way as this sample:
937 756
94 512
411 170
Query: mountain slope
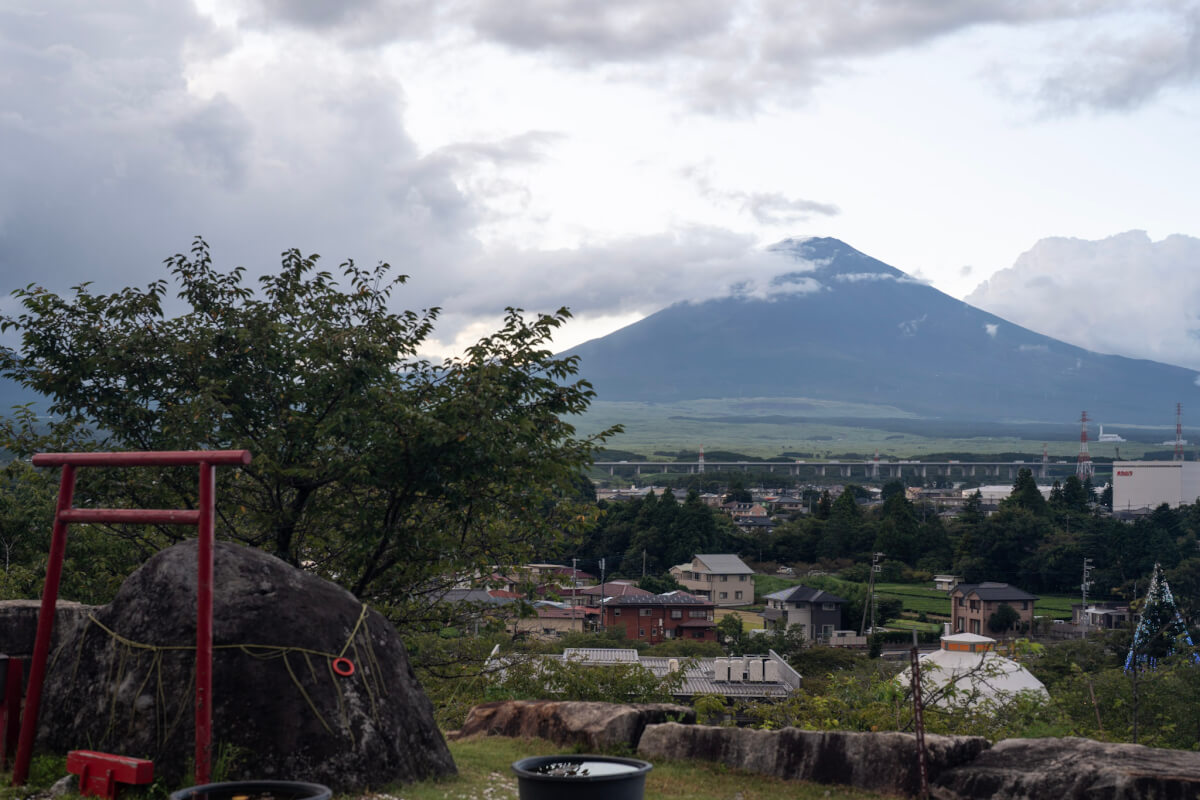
844 326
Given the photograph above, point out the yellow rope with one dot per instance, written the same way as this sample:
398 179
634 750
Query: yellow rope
372 683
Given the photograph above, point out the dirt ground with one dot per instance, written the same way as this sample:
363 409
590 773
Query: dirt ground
750 619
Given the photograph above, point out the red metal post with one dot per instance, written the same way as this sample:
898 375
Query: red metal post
11 718
41 645
202 518
204 624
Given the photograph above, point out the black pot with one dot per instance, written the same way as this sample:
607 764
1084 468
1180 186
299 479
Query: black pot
581 777
278 790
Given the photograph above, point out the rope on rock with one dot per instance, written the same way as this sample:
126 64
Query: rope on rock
120 667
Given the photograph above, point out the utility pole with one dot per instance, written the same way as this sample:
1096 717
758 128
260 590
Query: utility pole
1087 571
602 594
875 567
643 563
919 718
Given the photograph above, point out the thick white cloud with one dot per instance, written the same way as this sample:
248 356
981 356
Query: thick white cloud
533 152
1125 294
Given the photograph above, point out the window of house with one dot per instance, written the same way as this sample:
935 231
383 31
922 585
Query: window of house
961 602
826 631
641 632
645 612
801 604
698 634
742 578
616 612
697 614
723 595
737 595
1024 605
724 578
676 613
829 606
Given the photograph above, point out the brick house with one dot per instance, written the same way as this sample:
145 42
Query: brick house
722 578
972 604
657 618
816 611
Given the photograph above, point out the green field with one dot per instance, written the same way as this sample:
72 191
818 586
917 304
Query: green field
920 598
766 427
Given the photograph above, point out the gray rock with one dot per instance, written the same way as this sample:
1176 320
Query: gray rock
881 762
279 710
1031 769
67 784
18 624
596 726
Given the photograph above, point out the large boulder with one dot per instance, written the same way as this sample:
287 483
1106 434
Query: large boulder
595 726
880 762
1074 768
125 681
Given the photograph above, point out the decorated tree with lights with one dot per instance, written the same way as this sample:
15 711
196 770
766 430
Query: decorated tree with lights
1161 631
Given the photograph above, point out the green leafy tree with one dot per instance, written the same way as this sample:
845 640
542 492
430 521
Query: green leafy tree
1003 619
391 473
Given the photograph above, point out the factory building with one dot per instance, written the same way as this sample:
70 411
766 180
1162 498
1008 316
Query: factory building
1145 485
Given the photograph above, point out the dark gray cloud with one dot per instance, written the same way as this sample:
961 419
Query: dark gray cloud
116 162
730 57
615 30
354 23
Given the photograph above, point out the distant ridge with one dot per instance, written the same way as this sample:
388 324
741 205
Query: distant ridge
846 327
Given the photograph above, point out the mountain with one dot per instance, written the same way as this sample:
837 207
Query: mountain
846 327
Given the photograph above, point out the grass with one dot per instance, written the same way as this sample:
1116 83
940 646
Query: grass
484 773
766 427
916 598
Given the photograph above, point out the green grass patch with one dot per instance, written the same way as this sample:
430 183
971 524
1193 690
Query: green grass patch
484 771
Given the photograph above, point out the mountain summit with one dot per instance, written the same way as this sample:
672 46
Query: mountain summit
846 327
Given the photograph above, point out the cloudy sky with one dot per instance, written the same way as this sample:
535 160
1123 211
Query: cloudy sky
618 156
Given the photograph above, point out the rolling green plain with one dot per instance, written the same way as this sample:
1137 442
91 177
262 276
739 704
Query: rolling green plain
768 427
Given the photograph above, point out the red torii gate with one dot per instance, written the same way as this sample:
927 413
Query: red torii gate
65 514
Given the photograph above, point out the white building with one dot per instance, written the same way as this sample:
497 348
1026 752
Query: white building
1145 485
975 671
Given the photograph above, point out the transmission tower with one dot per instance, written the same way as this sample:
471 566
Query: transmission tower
700 468
1084 467
1179 431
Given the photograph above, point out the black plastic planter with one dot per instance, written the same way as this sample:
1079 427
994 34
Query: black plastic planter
255 790
581 777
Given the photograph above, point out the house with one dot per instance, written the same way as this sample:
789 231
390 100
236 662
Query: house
817 612
1106 615
594 596
736 510
972 605
722 578
552 620
659 617
944 583
761 677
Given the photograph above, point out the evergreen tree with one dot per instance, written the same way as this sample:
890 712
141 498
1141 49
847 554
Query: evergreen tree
1025 493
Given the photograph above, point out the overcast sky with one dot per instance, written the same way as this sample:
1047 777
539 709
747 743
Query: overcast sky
618 156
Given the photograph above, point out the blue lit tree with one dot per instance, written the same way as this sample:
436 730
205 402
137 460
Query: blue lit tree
1161 630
